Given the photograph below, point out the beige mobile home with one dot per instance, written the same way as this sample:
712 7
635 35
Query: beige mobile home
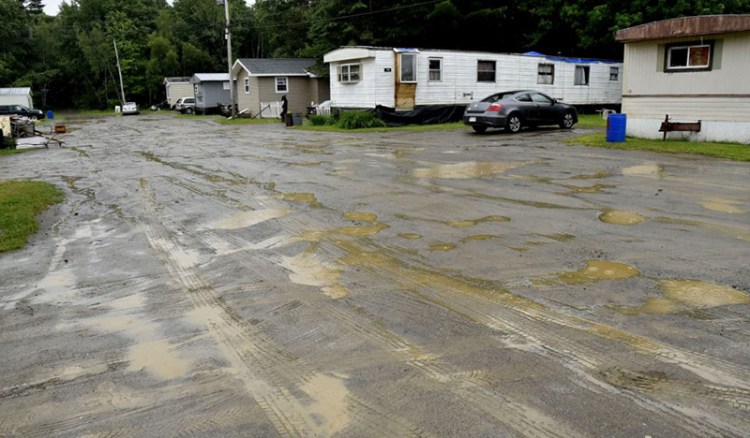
367 77
261 82
690 68
177 87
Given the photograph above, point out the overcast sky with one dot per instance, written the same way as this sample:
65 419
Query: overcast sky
52 7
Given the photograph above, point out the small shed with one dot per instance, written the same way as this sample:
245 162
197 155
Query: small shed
261 82
211 90
405 78
16 96
690 68
177 87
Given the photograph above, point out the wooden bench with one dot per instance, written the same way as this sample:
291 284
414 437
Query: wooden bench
667 126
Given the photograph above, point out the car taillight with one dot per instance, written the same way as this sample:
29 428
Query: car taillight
495 107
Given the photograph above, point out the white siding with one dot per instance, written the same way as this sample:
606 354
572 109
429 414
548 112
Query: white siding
377 86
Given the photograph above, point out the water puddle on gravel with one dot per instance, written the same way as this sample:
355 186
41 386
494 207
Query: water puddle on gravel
595 270
685 295
302 198
442 247
723 206
245 219
474 222
373 227
620 217
308 270
330 406
158 359
410 236
467 170
644 170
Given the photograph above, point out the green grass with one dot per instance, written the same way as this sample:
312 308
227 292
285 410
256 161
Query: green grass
20 203
729 151
248 121
4 152
407 128
591 121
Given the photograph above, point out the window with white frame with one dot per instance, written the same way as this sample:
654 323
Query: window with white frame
350 73
485 71
689 56
614 73
247 85
545 74
581 75
282 85
436 69
408 67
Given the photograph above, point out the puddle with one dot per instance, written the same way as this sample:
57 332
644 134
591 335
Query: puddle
362 217
595 270
473 222
620 217
685 295
559 237
303 198
722 206
410 236
158 359
245 219
361 231
736 233
478 237
308 270
330 407
472 169
442 247
596 188
644 170
598 175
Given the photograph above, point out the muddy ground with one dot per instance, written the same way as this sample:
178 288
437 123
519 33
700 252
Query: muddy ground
221 281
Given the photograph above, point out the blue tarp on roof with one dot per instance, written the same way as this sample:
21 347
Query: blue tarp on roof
572 60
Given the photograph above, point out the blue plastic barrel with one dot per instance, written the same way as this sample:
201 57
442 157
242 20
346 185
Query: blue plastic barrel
50 114
616 124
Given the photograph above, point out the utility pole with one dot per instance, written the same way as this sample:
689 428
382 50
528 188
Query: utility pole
119 71
228 36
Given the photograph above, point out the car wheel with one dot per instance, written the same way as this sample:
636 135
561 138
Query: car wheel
188 111
567 121
513 124
479 129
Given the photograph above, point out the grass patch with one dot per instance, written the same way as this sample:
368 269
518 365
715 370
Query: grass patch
591 121
20 203
729 151
249 121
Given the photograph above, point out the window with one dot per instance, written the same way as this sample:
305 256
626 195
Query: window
524 98
540 98
436 69
281 85
408 67
546 74
247 85
614 73
581 75
689 56
349 73
485 71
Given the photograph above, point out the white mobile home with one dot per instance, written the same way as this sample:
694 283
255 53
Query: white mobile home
690 68
16 96
177 87
211 91
365 77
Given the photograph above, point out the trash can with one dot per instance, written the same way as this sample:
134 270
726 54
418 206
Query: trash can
297 119
616 124
289 121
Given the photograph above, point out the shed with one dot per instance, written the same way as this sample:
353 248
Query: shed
16 96
405 78
690 68
177 87
211 90
262 81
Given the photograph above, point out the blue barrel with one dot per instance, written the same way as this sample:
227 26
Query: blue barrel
50 114
616 124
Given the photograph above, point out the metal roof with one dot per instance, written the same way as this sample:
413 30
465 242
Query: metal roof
18 91
682 27
277 66
176 79
210 77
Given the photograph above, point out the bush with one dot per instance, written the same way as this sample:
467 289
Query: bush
359 120
318 120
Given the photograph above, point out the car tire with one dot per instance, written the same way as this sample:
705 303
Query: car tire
479 129
568 120
189 111
513 124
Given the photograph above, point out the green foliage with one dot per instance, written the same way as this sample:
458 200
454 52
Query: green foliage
20 203
359 120
320 120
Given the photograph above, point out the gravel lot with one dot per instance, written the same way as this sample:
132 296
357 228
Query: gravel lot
255 280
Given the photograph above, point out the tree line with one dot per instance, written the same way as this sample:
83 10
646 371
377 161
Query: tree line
69 59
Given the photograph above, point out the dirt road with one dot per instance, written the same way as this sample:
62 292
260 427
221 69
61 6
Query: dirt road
219 281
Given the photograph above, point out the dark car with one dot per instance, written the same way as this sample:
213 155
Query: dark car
514 110
21 110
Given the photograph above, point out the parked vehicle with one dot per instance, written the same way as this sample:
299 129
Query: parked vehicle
21 110
185 105
130 108
514 110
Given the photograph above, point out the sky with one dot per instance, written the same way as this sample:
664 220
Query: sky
52 7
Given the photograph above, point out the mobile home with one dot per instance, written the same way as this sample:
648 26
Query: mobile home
367 77
16 96
692 69
177 87
211 91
